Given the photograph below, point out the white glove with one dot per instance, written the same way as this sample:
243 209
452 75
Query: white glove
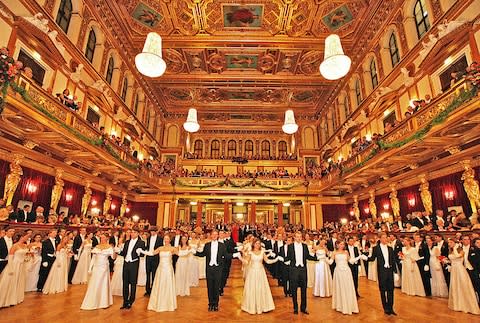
448 268
287 263
76 257
272 254
140 251
364 257
426 268
236 255
45 264
280 258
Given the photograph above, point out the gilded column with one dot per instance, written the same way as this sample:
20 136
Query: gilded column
87 196
123 207
394 200
57 189
371 204
13 178
108 200
471 185
425 194
356 210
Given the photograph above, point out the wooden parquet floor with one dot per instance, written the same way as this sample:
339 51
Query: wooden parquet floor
65 307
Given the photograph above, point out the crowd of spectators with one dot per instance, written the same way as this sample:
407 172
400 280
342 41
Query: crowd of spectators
244 158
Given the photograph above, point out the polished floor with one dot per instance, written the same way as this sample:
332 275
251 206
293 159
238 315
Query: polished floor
65 307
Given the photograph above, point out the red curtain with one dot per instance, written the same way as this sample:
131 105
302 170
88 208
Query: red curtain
363 206
97 200
410 200
116 203
36 187
4 170
383 204
72 197
145 210
452 185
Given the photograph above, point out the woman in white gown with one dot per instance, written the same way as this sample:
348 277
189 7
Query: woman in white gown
323 276
142 267
81 272
163 297
117 277
411 279
438 283
57 280
372 265
344 298
182 269
12 279
33 265
257 297
201 260
462 295
193 261
310 263
99 292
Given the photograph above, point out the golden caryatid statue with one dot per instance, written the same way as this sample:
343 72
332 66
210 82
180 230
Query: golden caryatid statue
471 185
108 200
13 179
394 201
123 207
371 204
356 210
425 194
57 189
87 196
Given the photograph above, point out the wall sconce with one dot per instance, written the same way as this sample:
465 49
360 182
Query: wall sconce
113 206
127 210
366 210
94 202
135 218
68 197
352 213
95 211
385 215
411 201
449 195
343 221
386 206
31 188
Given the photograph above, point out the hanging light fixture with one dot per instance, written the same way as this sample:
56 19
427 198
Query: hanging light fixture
335 64
289 127
191 125
150 62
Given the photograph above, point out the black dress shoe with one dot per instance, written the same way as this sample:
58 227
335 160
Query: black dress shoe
39 290
305 312
215 308
358 296
146 294
129 306
386 312
124 306
393 313
210 308
295 311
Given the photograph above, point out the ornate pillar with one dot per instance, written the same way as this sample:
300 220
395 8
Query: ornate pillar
87 196
371 204
188 144
253 212
356 210
57 189
471 185
280 214
123 207
226 209
108 200
199 213
394 200
13 178
425 194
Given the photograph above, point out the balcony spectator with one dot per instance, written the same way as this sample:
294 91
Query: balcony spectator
68 100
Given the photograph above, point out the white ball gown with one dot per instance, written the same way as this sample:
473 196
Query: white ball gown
33 268
117 277
57 280
81 272
142 272
438 283
182 273
411 279
344 298
257 297
202 264
163 297
372 270
12 279
99 292
193 267
323 276
462 295
310 268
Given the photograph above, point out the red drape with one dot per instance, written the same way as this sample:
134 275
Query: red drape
334 212
145 210
450 183
72 197
97 200
4 170
36 187
410 200
383 203
363 205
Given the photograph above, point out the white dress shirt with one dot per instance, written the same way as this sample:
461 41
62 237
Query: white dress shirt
153 239
213 254
8 242
351 251
176 240
131 245
298 254
466 250
384 249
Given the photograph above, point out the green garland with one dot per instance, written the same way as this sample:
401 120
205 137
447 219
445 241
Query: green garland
94 142
229 182
277 188
463 97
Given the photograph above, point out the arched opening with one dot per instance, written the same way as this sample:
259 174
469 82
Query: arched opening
282 148
265 149
373 74
232 148
249 148
123 94
422 20
110 67
198 148
215 149
358 92
91 44
64 15
394 51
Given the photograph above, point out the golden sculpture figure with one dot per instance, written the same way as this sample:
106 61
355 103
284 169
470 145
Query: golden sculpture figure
371 205
13 179
394 201
356 210
425 194
108 200
123 207
87 196
57 189
471 186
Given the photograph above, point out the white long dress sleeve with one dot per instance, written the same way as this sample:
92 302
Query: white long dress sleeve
12 280
32 270
411 279
439 285
344 297
462 295
323 276
117 277
81 272
163 296
99 292
57 280
182 273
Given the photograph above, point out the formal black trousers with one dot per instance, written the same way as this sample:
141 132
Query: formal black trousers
43 274
130 274
298 279
214 280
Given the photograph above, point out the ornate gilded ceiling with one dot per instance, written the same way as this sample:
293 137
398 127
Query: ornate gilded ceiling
239 56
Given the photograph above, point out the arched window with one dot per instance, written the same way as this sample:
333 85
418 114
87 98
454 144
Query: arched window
231 148
135 104
249 148
394 52
215 149
91 43
110 67
198 148
421 18
358 92
373 73
64 15
147 119
282 148
346 106
265 149
155 126
124 89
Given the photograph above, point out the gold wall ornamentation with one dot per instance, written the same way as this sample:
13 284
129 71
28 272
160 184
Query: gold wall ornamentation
123 207
87 196
108 200
13 178
394 200
371 204
425 194
57 189
471 185
356 210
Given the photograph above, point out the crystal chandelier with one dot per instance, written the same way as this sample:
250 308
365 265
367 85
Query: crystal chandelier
191 125
335 64
150 62
289 127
